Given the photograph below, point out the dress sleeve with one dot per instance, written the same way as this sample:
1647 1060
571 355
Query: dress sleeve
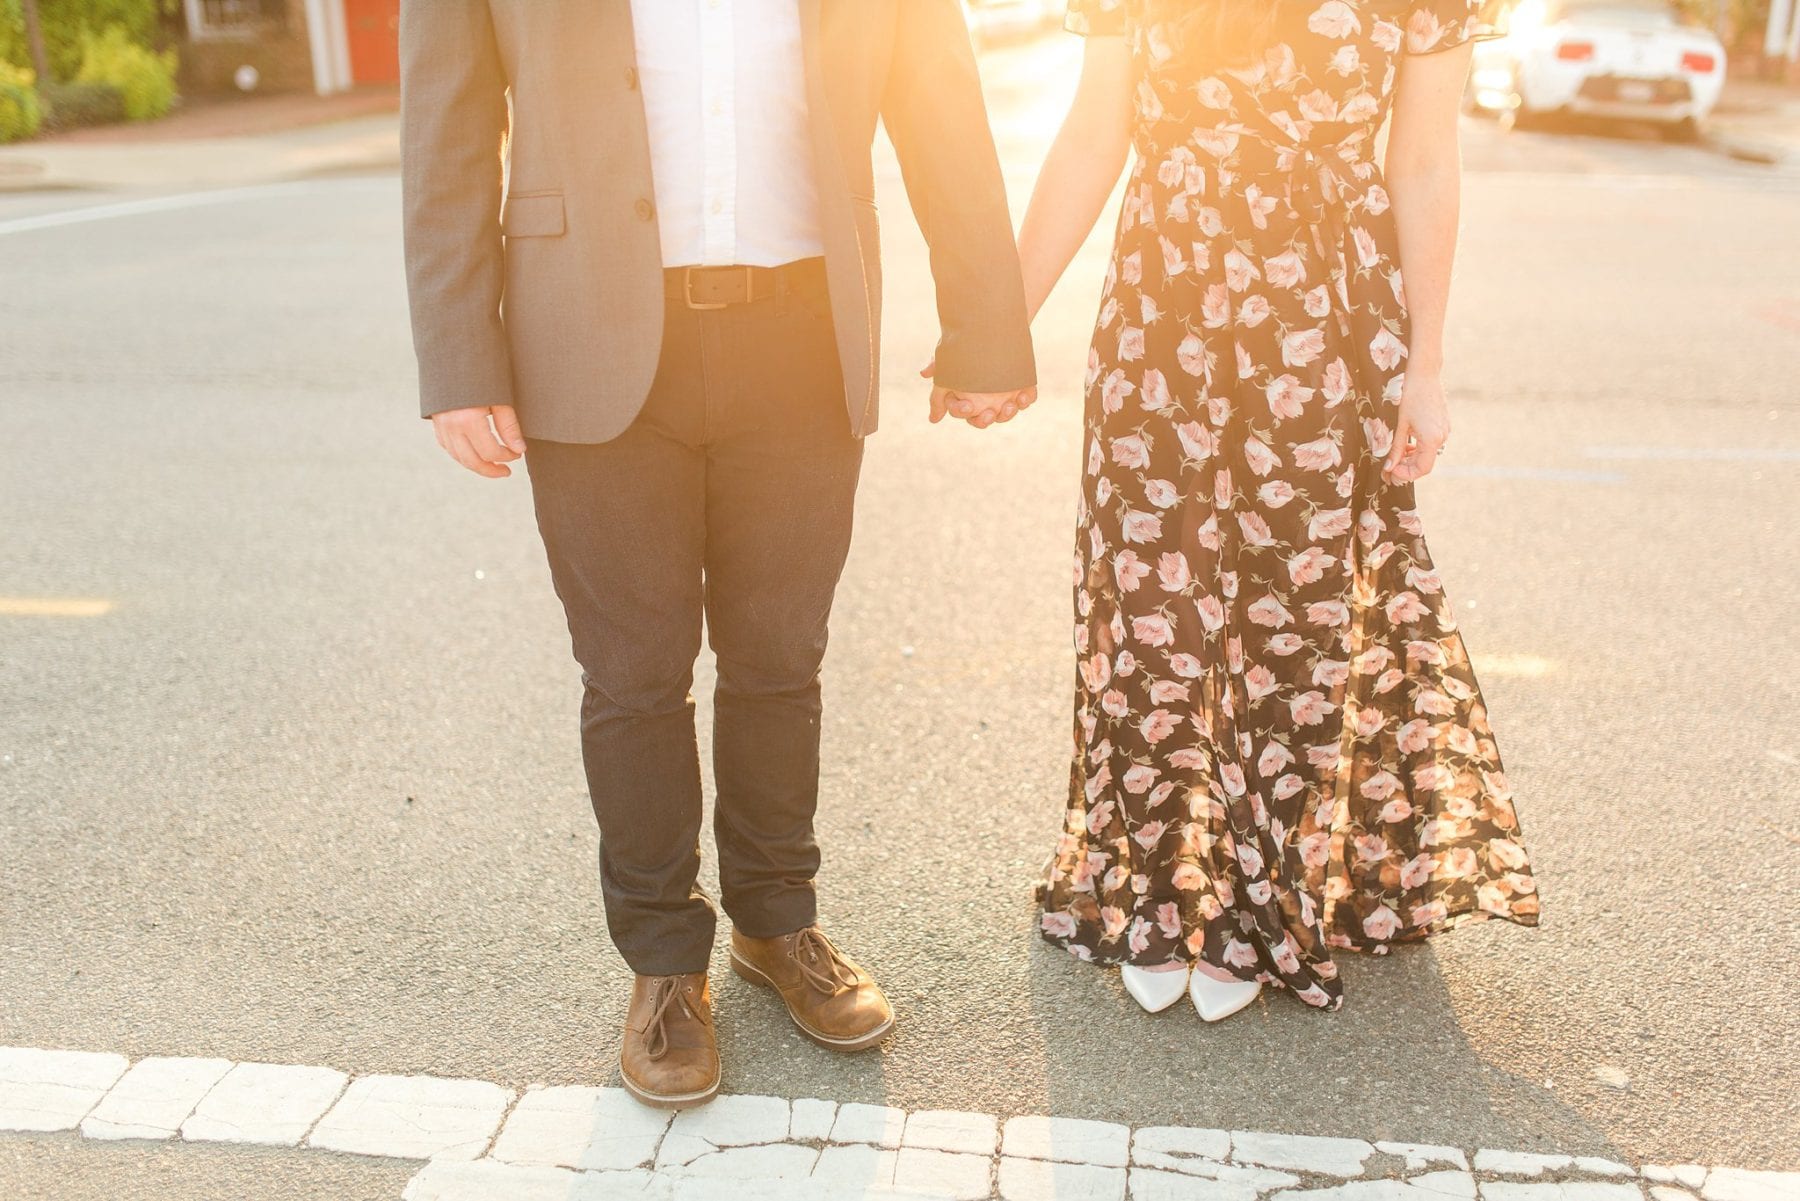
1436 25
1096 18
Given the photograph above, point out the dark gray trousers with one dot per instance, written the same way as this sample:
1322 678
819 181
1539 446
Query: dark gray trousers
731 498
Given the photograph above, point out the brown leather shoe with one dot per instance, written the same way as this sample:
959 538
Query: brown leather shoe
833 1001
670 1058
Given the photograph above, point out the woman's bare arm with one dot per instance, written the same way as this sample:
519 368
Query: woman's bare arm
1424 179
1079 173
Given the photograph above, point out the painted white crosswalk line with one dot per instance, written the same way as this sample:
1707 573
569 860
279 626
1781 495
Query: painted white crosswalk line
479 1141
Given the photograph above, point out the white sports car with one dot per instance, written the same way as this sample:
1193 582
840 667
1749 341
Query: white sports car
1630 59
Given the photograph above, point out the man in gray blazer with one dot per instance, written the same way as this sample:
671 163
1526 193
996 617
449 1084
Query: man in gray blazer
642 253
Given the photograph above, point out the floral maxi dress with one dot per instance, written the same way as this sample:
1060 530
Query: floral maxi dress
1280 745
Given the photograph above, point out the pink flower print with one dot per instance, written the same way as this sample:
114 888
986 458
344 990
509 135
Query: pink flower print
1131 451
1254 311
1318 105
1158 726
1308 567
1161 493
1240 272
1317 302
1386 351
1131 344
1187 666
1260 458
1427 581
1240 954
1359 108
1286 395
1336 384
1430 913
1155 397
1153 630
1328 523
1115 390
1284 644
1112 921
1212 614
1396 810
1168 919
1275 493
1114 703
1259 682
1317 455
1255 529
1168 692
1346 61
1431 777
1383 923
1328 613
1369 721
1433 702
1367 253
1273 759
1405 608
1269 612
1417 871
1284 270
1099 817
1139 779
1096 672
1172 571
1335 20
1192 356
1508 854
1141 527
1380 786
1139 939
1232 777
1124 664
1197 441
1310 708
1187 877
1302 346
1209 221
1458 863
1129 570
1058 925
1215 307
1423 30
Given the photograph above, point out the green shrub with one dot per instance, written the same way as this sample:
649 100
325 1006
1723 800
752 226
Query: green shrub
144 78
77 105
65 21
20 113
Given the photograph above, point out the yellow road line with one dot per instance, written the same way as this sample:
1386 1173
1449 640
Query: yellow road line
52 606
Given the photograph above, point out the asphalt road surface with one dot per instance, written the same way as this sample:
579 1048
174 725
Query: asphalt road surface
309 790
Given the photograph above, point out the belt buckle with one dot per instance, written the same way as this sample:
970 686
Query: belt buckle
687 290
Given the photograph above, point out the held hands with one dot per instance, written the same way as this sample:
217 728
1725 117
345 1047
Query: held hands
979 409
1424 428
483 440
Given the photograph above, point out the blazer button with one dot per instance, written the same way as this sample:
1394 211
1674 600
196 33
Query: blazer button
644 209
631 78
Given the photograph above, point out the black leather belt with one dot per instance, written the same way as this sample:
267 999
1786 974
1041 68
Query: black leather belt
708 288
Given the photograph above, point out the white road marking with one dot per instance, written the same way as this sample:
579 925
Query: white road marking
187 200
562 1144
1559 475
1697 454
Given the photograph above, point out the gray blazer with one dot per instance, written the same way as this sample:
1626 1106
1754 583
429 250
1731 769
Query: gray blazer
553 302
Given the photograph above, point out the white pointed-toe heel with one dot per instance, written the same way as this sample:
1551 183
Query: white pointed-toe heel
1216 1000
1155 991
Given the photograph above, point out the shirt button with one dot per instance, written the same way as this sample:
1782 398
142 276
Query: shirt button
718 206
631 78
717 108
644 209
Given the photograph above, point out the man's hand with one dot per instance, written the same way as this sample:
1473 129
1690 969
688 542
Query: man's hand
979 409
483 440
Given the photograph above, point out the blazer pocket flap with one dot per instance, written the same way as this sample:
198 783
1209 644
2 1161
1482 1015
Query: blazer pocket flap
537 215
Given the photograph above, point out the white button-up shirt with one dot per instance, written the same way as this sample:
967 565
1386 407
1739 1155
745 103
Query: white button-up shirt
724 86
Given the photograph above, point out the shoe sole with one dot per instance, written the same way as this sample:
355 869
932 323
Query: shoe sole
749 972
668 1100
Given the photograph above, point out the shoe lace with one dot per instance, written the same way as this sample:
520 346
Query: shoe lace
669 994
811 949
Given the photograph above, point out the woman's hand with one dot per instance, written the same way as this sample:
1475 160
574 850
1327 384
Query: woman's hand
1424 428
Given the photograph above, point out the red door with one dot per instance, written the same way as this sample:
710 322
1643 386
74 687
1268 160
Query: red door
373 27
